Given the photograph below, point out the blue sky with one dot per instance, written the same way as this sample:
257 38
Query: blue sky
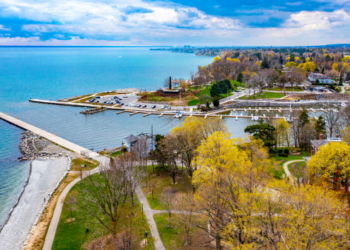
177 22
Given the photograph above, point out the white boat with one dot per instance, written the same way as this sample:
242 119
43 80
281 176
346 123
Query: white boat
178 115
343 104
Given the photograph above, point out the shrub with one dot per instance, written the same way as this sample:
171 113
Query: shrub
216 101
279 151
282 155
286 151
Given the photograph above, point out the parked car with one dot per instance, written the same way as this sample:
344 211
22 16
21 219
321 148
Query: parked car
97 97
153 107
91 100
127 104
139 105
121 103
168 107
144 106
238 90
97 101
125 96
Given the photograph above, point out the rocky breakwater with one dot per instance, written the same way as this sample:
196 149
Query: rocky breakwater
33 146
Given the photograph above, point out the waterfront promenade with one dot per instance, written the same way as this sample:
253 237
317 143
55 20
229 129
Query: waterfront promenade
51 137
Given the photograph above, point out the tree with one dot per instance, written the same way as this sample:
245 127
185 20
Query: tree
204 99
167 201
303 117
106 195
290 64
332 118
189 135
281 132
216 101
309 66
345 134
320 126
331 163
263 132
186 205
240 77
70 202
265 63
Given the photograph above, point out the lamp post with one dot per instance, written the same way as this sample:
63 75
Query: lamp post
142 210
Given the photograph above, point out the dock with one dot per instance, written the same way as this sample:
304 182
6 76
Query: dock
51 137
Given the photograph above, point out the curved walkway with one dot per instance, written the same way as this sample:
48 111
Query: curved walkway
50 236
286 170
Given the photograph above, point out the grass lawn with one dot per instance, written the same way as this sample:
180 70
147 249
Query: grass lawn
174 237
89 164
239 84
277 170
264 95
296 89
193 102
164 180
116 153
297 171
72 235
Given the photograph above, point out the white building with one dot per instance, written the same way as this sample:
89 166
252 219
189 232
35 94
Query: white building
320 77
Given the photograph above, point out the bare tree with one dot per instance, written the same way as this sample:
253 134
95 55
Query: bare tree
152 186
332 118
167 201
186 206
106 195
166 82
70 202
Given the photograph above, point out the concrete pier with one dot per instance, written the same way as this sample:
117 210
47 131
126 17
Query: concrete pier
51 137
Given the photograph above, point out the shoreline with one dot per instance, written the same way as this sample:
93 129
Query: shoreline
45 177
18 198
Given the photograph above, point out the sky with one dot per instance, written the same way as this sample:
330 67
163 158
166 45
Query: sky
174 23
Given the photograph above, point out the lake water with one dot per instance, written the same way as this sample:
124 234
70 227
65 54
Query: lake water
54 73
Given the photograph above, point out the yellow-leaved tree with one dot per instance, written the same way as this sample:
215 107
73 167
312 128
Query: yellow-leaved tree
309 66
331 164
233 60
281 132
189 134
217 58
290 65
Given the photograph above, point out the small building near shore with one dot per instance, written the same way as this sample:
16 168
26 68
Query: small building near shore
316 144
143 143
313 77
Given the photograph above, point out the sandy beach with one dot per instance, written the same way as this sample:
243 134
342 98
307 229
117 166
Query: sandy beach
44 177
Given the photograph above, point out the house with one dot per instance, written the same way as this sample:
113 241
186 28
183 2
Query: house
313 77
143 143
316 144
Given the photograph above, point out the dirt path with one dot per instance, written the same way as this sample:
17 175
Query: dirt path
286 170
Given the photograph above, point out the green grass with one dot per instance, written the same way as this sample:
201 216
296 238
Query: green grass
72 235
299 167
89 164
264 95
238 83
116 153
277 170
164 180
296 89
193 102
174 237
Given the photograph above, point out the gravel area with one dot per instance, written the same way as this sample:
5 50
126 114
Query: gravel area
44 177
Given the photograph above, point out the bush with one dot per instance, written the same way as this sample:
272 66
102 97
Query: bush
282 155
216 101
279 151
286 151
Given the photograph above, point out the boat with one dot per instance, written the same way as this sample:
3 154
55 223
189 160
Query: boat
343 104
178 115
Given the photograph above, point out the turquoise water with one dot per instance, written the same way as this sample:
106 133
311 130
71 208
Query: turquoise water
54 73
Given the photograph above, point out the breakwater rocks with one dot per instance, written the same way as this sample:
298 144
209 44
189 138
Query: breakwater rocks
33 146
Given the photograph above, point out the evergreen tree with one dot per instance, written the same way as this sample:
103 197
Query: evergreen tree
303 117
320 126
317 82
323 70
281 59
265 63
292 58
240 78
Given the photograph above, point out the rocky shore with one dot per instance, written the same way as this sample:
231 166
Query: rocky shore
34 146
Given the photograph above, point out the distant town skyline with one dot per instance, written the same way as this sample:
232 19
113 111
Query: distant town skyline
174 23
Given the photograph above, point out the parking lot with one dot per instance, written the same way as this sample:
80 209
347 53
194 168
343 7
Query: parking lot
125 100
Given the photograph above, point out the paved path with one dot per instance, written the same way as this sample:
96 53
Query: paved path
286 170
